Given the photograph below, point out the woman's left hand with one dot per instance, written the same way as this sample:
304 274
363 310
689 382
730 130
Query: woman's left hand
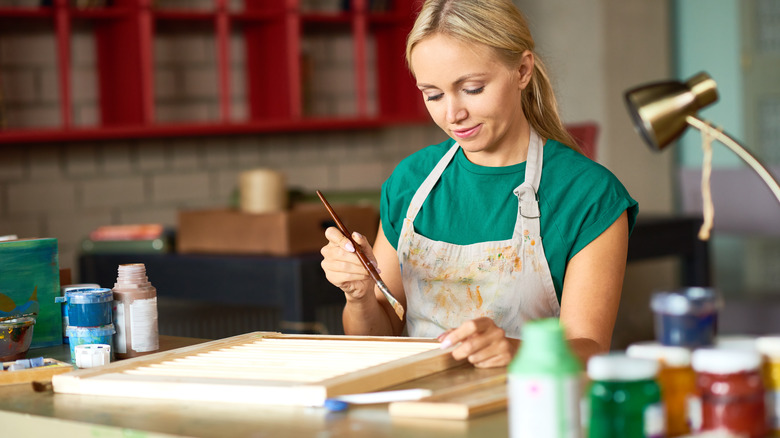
482 342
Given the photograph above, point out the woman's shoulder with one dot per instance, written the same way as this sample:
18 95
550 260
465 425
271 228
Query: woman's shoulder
567 163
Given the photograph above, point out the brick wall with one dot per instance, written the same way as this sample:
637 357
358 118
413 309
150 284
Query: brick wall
66 190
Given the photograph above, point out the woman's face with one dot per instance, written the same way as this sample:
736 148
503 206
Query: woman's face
474 97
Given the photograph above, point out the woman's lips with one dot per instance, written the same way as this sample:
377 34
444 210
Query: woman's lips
466 133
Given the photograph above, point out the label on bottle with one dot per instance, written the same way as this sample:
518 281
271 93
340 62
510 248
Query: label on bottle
773 410
143 323
655 421
541 406
120 340
695 416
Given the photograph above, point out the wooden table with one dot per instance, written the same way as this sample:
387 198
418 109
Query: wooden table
24 412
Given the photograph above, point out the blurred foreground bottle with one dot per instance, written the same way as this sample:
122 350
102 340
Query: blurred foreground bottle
544 384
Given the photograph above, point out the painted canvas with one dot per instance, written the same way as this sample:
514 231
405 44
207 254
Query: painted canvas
29 281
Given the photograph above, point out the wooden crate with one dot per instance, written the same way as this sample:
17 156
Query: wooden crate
265 368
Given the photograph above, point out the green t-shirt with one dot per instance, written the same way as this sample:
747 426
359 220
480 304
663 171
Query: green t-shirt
578 200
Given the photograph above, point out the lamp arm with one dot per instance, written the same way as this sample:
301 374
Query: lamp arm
739 150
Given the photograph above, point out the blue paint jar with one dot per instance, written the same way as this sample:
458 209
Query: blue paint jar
88 307
61 299
686 317
90 335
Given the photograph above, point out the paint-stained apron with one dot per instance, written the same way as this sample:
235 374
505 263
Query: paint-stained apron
508 281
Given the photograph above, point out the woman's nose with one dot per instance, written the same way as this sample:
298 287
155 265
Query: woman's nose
455 111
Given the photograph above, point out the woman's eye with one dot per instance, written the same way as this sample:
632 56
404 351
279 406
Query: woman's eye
474 90
434 97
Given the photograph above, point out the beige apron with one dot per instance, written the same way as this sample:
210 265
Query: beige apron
508 280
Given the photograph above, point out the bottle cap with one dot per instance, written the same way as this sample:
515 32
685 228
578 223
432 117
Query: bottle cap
769 346
619 367
686 301
669 355
725 360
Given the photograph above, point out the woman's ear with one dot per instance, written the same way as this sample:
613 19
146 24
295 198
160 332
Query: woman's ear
526 69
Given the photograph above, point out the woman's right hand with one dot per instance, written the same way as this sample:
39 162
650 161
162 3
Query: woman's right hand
343 268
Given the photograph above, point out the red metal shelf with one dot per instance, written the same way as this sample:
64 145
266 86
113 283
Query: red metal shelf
273 30
8 12
41 135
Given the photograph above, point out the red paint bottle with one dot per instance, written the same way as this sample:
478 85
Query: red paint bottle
732 391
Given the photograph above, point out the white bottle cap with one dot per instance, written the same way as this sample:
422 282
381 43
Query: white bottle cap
669 355
725 360
92 355
621 368
769 346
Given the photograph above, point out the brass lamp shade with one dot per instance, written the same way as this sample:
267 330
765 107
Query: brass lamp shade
660 110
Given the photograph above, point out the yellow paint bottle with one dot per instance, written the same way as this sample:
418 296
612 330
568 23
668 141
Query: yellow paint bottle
677 381
769 347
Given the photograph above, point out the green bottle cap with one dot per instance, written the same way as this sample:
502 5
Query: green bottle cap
544 350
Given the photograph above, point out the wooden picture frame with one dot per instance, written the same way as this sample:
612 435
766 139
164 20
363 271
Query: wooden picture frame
265 368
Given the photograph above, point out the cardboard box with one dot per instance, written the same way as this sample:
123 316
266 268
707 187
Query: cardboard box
296 231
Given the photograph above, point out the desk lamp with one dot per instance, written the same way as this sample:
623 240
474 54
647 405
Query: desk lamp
662 111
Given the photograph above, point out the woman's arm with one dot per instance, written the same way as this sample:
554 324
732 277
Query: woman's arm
591 296
365 313
591 290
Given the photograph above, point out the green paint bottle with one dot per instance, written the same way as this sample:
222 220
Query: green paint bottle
625 398
544 384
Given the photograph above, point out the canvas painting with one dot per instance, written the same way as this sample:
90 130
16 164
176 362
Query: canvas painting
29 282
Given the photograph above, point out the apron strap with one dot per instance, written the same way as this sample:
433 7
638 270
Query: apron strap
427 185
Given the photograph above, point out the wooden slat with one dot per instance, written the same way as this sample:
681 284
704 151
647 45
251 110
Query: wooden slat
458 403
266 368
44 373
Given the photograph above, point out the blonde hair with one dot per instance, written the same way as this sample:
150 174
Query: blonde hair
499 25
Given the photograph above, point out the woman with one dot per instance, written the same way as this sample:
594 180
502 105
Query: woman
463 222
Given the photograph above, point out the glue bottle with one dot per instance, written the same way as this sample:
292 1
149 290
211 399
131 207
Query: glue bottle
544 384
135 313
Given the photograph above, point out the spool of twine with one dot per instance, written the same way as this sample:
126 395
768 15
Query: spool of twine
262 191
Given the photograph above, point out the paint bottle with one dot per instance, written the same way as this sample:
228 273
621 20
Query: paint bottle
544 384
135 313
624 399
732 391
677 381
686 317
769 347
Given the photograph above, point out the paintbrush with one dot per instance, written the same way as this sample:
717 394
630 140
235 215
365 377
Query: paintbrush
399 310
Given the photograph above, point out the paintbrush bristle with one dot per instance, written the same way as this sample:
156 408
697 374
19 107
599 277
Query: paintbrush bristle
399 310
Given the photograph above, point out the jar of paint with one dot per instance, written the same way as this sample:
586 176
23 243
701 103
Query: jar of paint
624 398
677 381
63 291
732 391
544 384
686 317
88 307
769 347
90 335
